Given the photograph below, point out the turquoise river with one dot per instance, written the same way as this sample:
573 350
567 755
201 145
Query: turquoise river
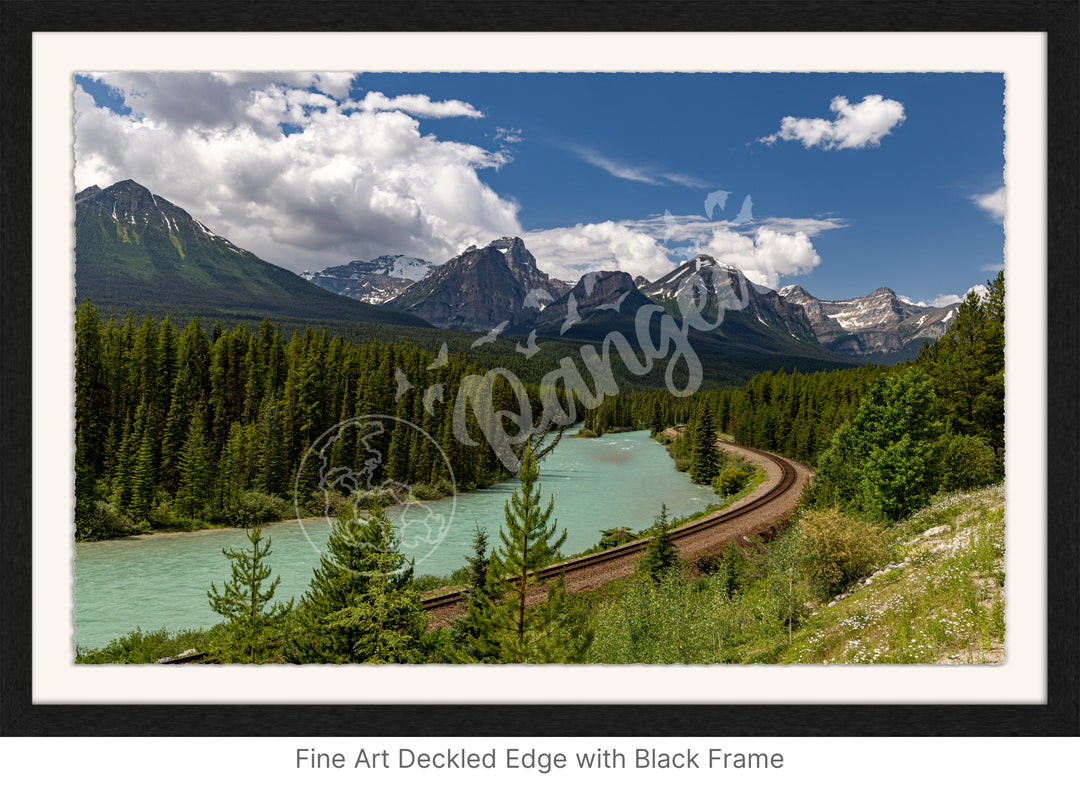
161 580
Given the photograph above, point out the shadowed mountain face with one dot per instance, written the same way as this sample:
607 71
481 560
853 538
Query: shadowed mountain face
599 302
711 285
137 251
482 288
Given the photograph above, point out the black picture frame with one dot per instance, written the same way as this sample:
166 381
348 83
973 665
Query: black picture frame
1059 716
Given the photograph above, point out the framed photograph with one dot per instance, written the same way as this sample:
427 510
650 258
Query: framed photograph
773 310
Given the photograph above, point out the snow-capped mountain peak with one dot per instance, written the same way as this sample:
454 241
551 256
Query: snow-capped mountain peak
373 281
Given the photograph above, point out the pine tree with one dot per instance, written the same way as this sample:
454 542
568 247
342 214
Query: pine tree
704 455
250 626
660 555
91 418
478 562
142 481
656 418
195 468
967 365
270 475
509 628
385 620
465 631
143 371
123 469
91 388
232 472
166 361
361 579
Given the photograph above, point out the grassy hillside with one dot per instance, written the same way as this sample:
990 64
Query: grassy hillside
831 590
941 600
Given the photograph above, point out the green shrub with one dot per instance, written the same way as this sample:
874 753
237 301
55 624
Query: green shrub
730 480
884 461
338 504
430 582
139 647
836 549
730 568
616 537
104 520
666 623
968 463
247 509
431 491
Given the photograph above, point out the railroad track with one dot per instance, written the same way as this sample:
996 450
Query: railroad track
789 477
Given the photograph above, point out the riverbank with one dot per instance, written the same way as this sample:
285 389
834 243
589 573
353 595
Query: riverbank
191 525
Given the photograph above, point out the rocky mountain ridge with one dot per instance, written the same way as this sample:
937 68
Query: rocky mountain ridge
501 284
715 285
879 323
375 281
482 288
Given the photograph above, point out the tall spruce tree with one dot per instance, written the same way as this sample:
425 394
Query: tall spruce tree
704 455
466 631
656 418
510 629
250 625
361 579
195 469
142 481
660 555
967 365
385 619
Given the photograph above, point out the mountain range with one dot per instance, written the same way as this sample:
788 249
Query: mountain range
500 285
137 251
878 324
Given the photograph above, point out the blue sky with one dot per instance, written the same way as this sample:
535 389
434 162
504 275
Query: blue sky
854 180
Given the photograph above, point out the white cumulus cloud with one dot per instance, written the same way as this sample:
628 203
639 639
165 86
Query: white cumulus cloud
298 175
568 253
765 256
856 126
648 248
